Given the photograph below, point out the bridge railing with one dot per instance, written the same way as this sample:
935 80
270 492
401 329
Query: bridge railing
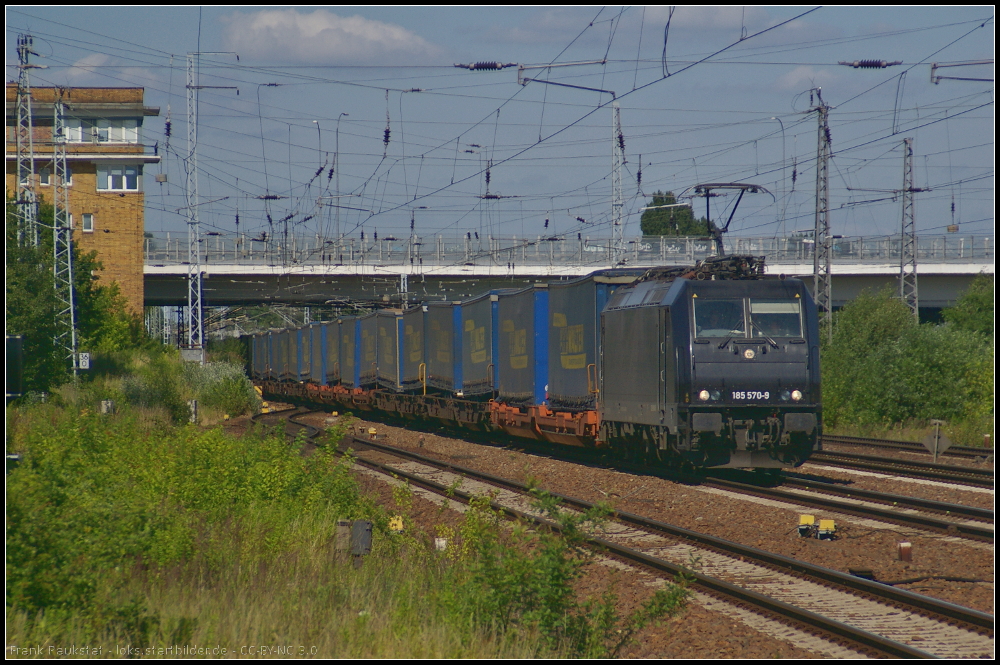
167 249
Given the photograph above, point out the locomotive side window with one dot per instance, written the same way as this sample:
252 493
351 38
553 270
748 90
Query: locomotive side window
718 318
776 318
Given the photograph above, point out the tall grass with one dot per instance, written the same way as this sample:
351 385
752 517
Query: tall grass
156 380
124 530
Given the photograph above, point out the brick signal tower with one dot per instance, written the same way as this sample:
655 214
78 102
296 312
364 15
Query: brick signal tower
105 155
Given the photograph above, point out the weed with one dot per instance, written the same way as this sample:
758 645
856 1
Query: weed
402 495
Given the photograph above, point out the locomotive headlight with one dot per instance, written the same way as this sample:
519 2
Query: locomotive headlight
716 395
704 395
785 395
796 395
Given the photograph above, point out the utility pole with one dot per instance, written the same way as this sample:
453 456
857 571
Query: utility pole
27 203
195 322
195 318
908 246
908 236
821 236
62 239
617 157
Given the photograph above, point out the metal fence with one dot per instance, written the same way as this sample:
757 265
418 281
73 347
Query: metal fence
167 249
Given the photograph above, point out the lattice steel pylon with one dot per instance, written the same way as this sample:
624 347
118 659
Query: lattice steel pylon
62 240
908 247
195 319
617 158
27 203
821 237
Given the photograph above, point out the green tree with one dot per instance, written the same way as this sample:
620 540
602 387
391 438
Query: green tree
679 221
882 368
30 306
103 320
974 309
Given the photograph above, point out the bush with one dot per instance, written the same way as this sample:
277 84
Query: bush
222 386
95 496
526 583
974 310
152 536
883 369
156 381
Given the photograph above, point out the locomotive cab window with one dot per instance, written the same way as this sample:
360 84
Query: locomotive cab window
718 318
772 318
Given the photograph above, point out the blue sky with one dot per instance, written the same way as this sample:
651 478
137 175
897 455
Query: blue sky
732 107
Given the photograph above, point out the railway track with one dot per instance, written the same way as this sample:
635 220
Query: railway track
941 472
876 618
945 518
906 446
893 508
286 415
738 574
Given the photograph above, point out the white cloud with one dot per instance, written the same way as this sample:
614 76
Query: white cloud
711 18
558 25
88 66
804 77
323 37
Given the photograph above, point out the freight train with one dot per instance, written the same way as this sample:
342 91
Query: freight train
711 366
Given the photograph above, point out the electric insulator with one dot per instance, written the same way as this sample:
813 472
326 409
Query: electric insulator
487 65
870 64
385 138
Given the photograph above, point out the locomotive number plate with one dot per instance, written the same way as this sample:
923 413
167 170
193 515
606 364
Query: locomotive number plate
750 395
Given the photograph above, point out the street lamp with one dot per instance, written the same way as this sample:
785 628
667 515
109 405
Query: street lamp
320 135
336 169
781 192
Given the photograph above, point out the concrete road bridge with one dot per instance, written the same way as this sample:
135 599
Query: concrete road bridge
241 270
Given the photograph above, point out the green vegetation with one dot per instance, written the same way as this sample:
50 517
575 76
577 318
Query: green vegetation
103 320
679 221
523 582
130 529
883 371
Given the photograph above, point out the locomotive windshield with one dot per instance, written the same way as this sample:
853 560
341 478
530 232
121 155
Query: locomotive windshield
776 318
718 318
768 318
